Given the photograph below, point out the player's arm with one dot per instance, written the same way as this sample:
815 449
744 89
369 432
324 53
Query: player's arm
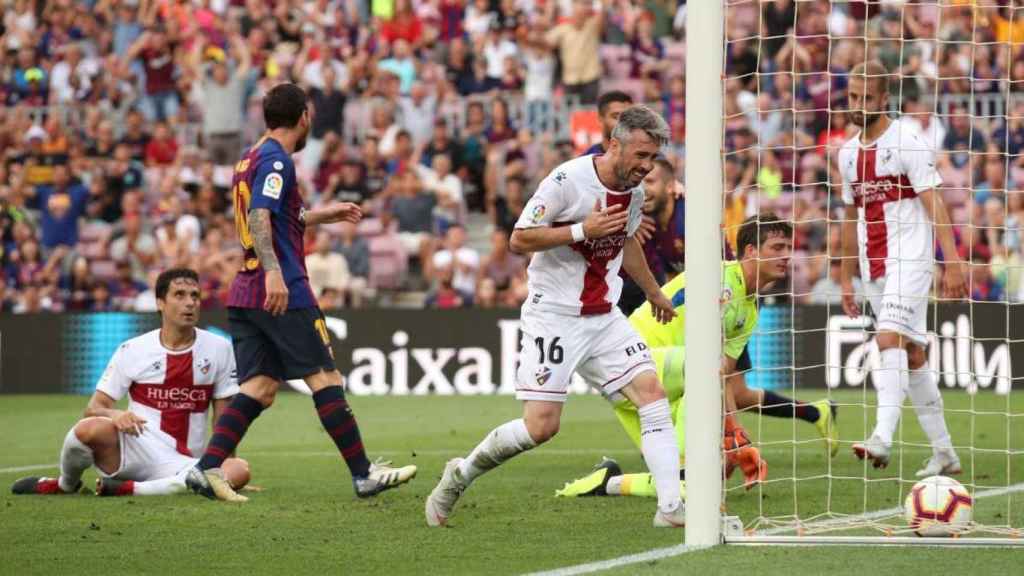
598 224
103 406
635 264
335 212
954 282
262 234
848 236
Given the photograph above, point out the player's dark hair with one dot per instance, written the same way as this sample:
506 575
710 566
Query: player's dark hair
757 229
610 97
163 281
665 164
283 106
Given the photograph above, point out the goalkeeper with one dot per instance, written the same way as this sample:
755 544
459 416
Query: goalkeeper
764 244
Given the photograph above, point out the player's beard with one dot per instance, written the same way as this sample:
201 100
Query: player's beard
301 142
622 174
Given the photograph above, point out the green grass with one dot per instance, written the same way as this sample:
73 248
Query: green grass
308 521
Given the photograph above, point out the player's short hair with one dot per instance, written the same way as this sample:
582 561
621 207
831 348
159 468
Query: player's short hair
283 106
665 164
163 281
757 229
873 70
611 97
641 117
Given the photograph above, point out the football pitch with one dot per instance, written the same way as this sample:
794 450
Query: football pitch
307 520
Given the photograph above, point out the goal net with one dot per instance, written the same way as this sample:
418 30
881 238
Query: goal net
955 74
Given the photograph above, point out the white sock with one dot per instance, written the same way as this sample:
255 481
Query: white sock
661 452
160 486
499 445
890 379
75 458
924 393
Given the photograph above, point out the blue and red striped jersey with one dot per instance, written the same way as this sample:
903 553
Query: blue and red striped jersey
265 178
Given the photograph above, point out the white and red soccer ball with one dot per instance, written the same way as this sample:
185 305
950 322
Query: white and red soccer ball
938 506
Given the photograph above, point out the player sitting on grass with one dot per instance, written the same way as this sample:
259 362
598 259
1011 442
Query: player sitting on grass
171 375
765 244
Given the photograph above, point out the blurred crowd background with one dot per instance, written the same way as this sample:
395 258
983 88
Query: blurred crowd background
122 119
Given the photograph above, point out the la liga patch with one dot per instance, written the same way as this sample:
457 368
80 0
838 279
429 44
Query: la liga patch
273 185
538 212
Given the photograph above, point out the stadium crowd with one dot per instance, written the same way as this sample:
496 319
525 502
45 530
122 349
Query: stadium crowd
122 120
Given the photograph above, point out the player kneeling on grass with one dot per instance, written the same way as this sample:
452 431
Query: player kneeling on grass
764 243
171 376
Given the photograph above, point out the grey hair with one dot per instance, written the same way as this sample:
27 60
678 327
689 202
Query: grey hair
641 117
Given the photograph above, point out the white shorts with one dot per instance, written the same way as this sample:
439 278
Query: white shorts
605 350
900 300
145 457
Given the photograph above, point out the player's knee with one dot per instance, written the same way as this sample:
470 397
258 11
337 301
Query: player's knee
542 427
236 472
323 379
645 388
262 389
95 431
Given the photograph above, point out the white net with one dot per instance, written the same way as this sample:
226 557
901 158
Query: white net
955 72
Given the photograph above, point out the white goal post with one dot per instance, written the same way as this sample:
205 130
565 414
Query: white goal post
707 518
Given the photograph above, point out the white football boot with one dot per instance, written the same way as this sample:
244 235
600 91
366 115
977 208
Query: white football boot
674 519
444 496
944 462
873 449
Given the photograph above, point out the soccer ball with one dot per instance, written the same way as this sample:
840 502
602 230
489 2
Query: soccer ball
938 506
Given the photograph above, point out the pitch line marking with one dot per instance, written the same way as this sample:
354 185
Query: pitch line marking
680 549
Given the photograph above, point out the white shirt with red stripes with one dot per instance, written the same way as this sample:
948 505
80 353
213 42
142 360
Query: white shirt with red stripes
883 180
172 389
581 279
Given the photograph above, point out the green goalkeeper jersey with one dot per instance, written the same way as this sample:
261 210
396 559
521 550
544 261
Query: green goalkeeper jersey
739 314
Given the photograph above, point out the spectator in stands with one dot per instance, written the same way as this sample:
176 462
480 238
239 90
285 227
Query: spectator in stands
447 296
76 288
348 185
135 135
451 205
125 288
502 266
162 148
828 290
609 106
356 251
134 245
455 257
412 207
578 43
486 294
327 270
984 287
441 142
222 90
418 112
61 205
401 64
156 50
539 82
71 78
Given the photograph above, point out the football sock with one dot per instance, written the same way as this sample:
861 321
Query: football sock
661 452
499 445
159 487
340 424
634 485
889 380
75 458
229 430
924 393
779 406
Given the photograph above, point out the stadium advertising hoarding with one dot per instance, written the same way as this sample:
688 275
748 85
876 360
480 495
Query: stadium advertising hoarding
473 352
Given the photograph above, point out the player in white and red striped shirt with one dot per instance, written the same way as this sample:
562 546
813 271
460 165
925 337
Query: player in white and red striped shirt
892 207
172 376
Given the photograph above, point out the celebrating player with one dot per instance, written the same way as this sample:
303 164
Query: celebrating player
889 188
764 243
580 226
170 375
277 328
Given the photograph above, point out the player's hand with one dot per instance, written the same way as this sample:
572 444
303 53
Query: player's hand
850 301
646 230
129 423
277 293
604 222
954 281
661 307
343 212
